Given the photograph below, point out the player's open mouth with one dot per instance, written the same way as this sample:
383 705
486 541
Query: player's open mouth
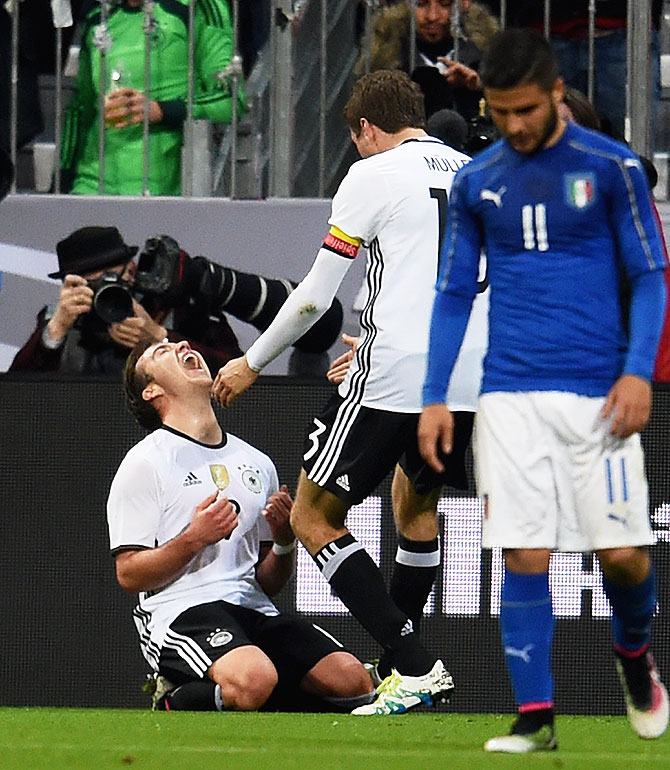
190 361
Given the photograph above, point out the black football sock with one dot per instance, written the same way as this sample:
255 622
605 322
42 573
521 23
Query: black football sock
201 695
414 571
356 579
531 721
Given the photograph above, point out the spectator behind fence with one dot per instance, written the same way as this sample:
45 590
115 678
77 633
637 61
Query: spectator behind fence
124 86
390 49
570 41
199 528
109 302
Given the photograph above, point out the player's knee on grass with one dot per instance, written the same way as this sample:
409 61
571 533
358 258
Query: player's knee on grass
338 675
247 678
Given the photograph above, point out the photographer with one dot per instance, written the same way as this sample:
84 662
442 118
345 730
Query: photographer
109 302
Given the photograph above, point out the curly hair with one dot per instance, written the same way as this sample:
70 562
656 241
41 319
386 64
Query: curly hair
134 382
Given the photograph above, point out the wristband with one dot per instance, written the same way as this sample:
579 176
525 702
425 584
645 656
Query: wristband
282 550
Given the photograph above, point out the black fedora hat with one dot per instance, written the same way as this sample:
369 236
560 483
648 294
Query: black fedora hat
91 248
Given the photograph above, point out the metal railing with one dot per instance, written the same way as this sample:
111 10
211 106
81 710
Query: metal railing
299 143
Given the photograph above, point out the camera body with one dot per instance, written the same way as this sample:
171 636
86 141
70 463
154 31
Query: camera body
161 267
112 298
159 284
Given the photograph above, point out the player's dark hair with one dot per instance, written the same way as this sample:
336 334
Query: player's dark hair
388 99
516 57
134 382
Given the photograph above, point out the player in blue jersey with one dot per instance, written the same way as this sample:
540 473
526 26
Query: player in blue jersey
565 217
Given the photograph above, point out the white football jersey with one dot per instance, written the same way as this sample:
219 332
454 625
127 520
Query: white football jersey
396 203
152 499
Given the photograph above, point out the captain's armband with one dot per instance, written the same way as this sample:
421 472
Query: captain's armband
341 243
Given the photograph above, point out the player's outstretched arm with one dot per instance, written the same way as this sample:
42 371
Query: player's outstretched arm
435 433
629 405
232 380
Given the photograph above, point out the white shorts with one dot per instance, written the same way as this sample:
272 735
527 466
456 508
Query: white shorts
550 475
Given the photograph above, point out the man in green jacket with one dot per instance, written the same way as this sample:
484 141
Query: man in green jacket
125 98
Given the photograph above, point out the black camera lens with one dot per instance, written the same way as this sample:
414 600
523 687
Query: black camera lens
112 300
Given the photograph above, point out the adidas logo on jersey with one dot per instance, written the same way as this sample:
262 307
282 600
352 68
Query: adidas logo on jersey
343 481
190 480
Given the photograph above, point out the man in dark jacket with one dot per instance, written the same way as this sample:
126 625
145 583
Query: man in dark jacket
109 302
390 49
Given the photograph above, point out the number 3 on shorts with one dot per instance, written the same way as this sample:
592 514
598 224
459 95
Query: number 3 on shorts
314 438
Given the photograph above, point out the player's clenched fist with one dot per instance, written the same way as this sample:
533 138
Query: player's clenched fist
277 513
213 519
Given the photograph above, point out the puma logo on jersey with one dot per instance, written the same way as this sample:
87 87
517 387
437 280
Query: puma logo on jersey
524 654
495 197
343 481
620 519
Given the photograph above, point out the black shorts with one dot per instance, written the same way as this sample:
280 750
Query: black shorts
207 631
350 449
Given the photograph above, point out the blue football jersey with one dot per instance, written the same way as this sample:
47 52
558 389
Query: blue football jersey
561 230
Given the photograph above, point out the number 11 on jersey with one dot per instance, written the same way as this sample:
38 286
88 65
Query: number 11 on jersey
534 223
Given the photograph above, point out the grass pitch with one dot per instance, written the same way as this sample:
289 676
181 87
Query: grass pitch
99 739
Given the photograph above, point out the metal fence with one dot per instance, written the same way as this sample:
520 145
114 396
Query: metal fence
292 140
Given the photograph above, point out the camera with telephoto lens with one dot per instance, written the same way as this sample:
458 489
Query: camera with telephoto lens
160 268
112 298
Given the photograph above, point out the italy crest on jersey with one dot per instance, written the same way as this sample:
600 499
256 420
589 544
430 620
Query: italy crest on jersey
580 190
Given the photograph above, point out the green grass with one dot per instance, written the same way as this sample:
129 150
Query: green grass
98 739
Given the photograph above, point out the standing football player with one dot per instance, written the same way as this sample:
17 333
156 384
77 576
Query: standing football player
565 216
394 202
